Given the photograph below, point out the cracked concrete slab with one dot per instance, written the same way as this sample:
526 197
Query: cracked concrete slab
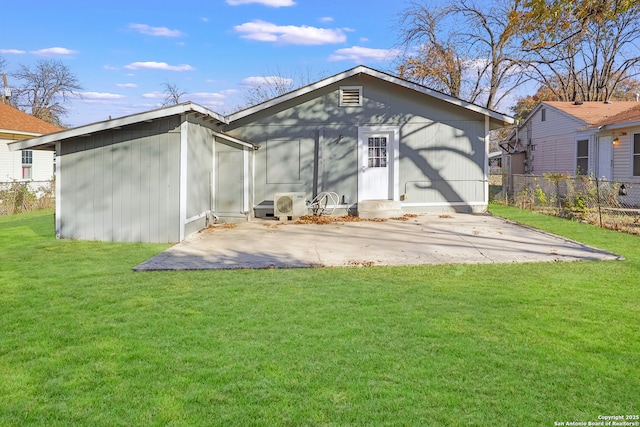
424 239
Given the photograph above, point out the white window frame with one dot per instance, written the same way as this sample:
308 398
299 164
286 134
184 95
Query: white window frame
585 172
633 153
351 88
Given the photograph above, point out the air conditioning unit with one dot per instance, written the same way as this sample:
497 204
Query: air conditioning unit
287 205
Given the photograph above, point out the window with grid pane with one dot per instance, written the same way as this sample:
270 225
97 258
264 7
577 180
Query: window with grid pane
377 151
27 157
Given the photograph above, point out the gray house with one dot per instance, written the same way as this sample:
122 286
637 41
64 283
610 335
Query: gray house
161 175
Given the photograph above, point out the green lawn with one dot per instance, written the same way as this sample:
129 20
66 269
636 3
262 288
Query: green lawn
86 341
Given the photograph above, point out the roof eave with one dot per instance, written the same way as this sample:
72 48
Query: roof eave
614 126
361 69
45 141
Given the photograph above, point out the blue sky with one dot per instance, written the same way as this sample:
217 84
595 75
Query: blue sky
122 51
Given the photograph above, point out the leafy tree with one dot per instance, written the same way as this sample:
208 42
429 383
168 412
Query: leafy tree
45 88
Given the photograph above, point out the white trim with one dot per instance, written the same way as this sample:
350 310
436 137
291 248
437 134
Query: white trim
51 138
233 140
487 142
631 154
184 129
245 180
374 73
349 88
212 196
195 218
394 175
58 212
320 161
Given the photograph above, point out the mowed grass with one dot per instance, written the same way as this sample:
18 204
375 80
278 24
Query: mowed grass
86 341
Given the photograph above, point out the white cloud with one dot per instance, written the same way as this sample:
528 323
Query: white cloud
326 19
109 67
209 96
54 51
360 54
271 3
152 65
100 95
156 31
12 51
154 95
289 34
204 19
266 80
126 85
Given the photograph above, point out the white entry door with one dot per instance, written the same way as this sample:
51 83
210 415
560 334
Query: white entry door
605 155
377 152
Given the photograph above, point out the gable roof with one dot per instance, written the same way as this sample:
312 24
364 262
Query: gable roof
361 69
591 112
15 124
47 142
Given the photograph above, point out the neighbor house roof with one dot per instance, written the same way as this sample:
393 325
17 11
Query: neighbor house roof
361 69
15 124
626 118
592 112
47 142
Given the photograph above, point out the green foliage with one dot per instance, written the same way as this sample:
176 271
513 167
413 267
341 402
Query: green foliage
19 197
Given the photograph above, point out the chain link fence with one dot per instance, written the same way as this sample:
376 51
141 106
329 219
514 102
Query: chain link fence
609 204
24 196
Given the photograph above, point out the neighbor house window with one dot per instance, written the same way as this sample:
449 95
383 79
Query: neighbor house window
27 162
351 96
582 163
636 154
543 114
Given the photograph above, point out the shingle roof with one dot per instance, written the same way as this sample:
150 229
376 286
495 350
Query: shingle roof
627 116
592 112
12 119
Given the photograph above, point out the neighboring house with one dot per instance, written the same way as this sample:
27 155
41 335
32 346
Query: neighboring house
574 138
161 175
25 165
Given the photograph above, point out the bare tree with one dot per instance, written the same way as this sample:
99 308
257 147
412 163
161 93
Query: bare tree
172 94
591 51
45 88
466 49
260 89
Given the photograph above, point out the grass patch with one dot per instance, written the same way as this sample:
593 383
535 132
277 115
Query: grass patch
85 341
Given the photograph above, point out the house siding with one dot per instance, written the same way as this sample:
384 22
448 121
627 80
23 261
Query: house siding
555 141
122 185
199 174
11 164
441 149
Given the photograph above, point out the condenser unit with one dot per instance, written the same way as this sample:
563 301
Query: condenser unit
289 205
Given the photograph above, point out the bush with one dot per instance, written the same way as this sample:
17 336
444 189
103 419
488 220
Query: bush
16 197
